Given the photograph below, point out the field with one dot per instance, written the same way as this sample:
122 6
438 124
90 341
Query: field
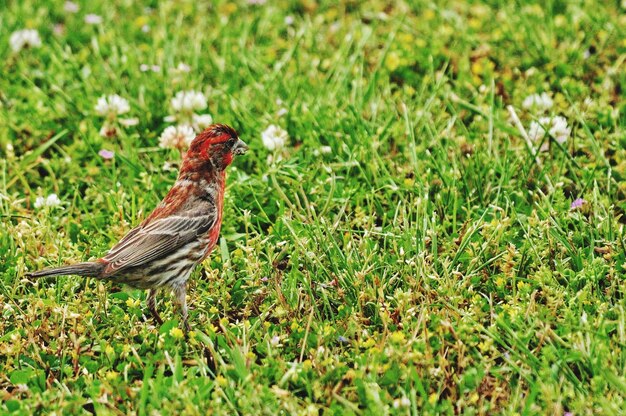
430 219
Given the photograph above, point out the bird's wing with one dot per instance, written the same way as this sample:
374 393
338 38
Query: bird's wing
155 240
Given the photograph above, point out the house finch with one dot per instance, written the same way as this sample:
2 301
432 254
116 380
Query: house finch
182 230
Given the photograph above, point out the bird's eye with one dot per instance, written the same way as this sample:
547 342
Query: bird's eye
231 142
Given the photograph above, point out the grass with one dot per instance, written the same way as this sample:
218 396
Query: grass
429 264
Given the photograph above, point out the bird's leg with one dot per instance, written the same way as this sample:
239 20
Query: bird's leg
180 293
152 306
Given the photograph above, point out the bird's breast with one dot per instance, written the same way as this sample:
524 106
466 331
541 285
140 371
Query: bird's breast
212 236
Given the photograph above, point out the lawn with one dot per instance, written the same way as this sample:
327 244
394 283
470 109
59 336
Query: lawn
430 219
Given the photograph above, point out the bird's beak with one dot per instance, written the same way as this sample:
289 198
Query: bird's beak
240 147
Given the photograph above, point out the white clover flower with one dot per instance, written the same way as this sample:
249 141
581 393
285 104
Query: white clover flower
201 121
184 104
146 68
70 7
189 101
274 137
403 402
541 102
93 19
289 20
51 200
183 67
560 130
26 38
536 130
178 137
324 150
557 128
40 201
275 341
112 105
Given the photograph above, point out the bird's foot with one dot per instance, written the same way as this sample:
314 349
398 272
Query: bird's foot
157 318
186 326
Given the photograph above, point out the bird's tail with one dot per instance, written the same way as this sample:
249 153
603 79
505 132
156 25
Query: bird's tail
90 268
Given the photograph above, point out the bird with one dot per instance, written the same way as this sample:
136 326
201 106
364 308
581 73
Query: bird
162 251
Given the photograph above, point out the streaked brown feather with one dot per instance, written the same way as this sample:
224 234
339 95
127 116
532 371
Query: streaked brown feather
157 239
